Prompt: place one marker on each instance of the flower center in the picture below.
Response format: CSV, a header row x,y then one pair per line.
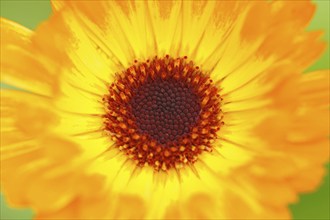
x,y
165,109
163,113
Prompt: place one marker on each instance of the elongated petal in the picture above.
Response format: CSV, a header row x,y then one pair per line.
x,y
20,66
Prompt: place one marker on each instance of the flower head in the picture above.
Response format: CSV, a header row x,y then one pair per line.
x,y
163,110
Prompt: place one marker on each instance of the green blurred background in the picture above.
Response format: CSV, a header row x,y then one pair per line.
x,y
311,206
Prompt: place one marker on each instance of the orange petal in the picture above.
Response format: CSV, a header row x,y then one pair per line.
x,y
201,206
16,177
26,113
59,149
235,207
136,209
173,212
256,22
51,193
315,88
57,4
300,13
286,37
197,206
20,66
276,193
308,179
86,64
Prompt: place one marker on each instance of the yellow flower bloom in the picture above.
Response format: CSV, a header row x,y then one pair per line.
x,y
163,110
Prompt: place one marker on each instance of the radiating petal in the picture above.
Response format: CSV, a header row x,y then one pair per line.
x,y
20,65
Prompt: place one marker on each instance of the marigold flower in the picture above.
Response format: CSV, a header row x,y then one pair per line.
x,y
163,110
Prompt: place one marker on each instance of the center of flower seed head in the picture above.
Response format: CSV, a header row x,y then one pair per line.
x,y
163,113
165,109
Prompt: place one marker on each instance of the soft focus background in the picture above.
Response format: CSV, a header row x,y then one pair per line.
x,y
311,206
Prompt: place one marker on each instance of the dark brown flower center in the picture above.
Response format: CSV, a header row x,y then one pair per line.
x,y
165,109
163,113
